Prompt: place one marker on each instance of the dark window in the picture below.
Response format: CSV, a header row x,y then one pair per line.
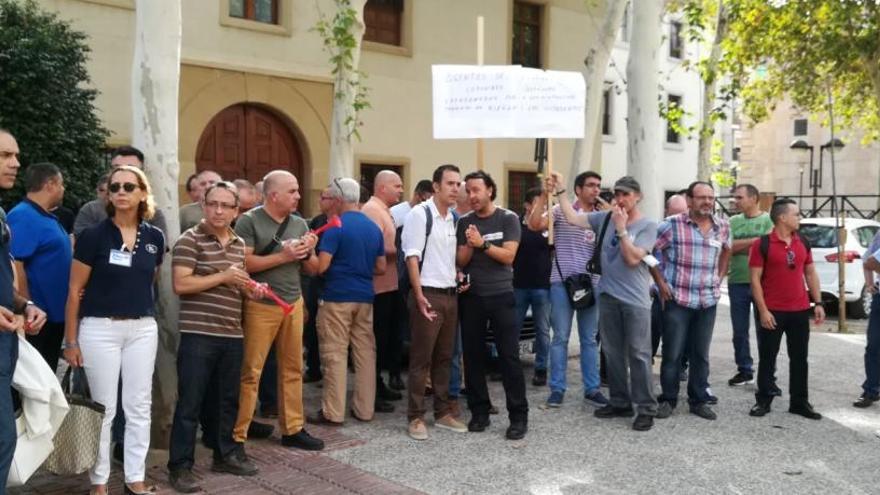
x,y
800,127
369,171
255,10
384,21
517,185
672,135
526,35
735,153
607,108
676,42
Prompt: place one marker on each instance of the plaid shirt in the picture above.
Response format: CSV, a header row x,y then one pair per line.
x,y
690,259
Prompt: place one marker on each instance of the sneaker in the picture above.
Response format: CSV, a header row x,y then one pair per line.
x,y
805,410
643,422
478,423
236,463
741,379
596,399
866,401
260,430
704,411
302,440
610,411
517,430
454,407
710,397
759,409
540,378
450,423
417,430
555,399
665,409
183,481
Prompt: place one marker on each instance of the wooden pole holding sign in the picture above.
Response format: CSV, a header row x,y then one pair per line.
x,y
480,54
550,197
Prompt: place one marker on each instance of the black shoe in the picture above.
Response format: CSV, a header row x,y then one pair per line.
x,y
740,379
269,411
302,440
517,430
236,463
704,411
540,378
478,423
260,430
183,481
759,409
395,382
430,391
495,376
385,393
310,377
805,410
382,406
775,391
492,409
665,409
119,453
610,411
319,419
643,422
865,401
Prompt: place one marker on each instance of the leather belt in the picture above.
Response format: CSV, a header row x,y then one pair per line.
x,y
449,291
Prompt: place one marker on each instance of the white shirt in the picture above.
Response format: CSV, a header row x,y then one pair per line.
x,y
399,213
438,266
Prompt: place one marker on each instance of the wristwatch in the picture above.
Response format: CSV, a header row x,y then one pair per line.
x,y
26,304
622,234
485,246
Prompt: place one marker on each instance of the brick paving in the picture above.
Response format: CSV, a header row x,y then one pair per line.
x,y
282,471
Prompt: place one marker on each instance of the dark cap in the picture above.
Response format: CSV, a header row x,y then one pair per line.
x,y
627,184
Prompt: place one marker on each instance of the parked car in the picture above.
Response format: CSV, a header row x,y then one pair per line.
x,y
821,234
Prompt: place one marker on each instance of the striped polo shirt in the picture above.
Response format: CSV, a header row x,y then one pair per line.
x,y
216,311
574,247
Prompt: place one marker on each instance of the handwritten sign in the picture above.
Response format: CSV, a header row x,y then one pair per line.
x,y
507,101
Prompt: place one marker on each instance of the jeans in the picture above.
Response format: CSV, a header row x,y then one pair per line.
x,y
686,331
796,327
499,311
561,314
8,434
626,342
201,360
455,368
127,347
741,313
539,300
872,351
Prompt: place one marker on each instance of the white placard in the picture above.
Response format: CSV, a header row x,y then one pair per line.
x,y
507,101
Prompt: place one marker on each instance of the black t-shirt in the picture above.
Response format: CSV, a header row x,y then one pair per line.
x,y
7,295
113,289
488,277
531,267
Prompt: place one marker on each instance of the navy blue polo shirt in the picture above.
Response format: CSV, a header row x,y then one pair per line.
x,y
7,299
114,290
40,242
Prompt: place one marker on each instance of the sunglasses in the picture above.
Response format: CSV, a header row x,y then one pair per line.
x,y
789,257
129,187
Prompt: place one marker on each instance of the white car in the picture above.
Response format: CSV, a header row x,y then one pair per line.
x,y
823,241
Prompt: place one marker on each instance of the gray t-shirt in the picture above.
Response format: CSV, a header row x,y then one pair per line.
x,y
95,212
257,229
489,277
629,285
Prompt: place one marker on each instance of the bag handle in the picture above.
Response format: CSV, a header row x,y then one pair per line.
x,y
67,387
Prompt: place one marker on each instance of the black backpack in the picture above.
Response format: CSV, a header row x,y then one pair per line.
x,y
765,246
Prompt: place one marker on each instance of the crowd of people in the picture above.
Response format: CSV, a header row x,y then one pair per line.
x,y
270,301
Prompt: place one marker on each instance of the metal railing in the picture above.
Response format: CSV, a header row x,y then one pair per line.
x,y
853,205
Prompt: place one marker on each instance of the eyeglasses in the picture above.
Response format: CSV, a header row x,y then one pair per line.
x,y
129,187
336,183
213,205
789,257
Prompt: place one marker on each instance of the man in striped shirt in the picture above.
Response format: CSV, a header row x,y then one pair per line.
x,y
694,249
209,276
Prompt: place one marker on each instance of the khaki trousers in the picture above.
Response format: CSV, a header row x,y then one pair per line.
x,y
341,324
265,324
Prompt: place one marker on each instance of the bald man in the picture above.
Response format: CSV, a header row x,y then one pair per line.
x,y
676,204
388,304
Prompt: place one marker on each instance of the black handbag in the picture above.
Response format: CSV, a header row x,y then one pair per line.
x,y
579,288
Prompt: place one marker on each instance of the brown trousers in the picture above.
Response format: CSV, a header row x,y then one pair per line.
x,y
341,324
265,324
430,353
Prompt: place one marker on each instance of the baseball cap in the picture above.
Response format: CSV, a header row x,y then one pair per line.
x,y
627,184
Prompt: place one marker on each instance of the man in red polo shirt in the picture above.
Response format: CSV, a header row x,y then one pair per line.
x,y
777,271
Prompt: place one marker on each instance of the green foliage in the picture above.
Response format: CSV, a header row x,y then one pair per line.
x,y
45,100
341,44
675,115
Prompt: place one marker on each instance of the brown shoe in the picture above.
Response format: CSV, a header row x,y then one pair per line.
x,y
450,423
454,408
319,419
418,430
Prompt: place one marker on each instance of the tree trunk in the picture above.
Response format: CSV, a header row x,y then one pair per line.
x,y
344,117
599,49
710,84
644,125
155,83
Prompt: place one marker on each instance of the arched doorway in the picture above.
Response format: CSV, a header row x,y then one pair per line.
x,y
246,142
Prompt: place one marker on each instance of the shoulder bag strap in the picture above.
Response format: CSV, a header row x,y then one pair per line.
x,y
275,238
596,260
429,224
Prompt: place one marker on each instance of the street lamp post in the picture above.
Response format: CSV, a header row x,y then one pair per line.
x,y
800,186
815,178
833,145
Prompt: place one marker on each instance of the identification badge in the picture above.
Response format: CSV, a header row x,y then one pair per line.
x,y
120,258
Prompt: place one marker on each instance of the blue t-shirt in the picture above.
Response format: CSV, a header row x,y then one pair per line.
x,y
7,295
355,247
40,242
114,290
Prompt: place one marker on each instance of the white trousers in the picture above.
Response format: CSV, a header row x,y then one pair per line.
x,y
108,347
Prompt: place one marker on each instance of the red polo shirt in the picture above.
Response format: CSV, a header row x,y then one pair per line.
x,y
784,286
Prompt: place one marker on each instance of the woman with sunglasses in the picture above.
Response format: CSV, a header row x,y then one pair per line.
x,y
110,329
